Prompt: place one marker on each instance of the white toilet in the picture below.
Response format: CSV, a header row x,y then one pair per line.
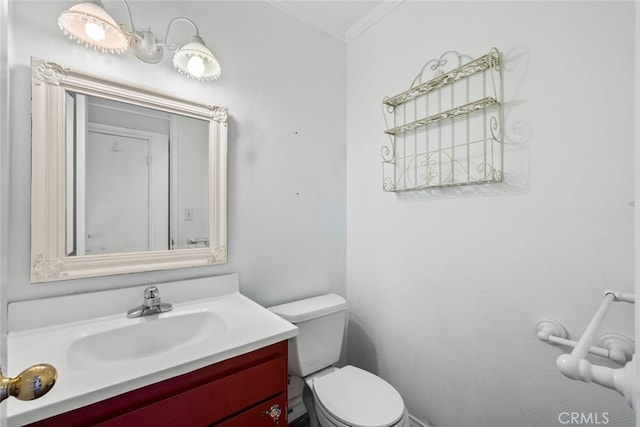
x,y
342,397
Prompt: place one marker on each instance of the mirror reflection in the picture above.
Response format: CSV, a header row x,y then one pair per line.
x,y
137,180
124,179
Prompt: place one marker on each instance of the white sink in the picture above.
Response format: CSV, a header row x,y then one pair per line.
x,y
144,337
99,352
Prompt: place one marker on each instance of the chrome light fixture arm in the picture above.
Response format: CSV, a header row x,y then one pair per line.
x,y
123,27
173,47
144,44
148,48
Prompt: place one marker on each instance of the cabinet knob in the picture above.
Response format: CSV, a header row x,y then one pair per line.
x,y
30,384
274,412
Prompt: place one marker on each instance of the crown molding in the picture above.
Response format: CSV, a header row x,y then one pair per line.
x,y
352,32
307,19
370,19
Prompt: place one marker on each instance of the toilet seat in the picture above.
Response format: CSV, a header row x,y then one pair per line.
x,y
358,398
322,413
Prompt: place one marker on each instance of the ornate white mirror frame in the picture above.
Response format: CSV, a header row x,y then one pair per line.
x,y
49,260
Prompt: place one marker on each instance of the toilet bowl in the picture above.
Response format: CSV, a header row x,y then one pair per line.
x,y
342,397
353,397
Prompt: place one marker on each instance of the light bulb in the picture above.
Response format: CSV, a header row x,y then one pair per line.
x,y
195,66
94,31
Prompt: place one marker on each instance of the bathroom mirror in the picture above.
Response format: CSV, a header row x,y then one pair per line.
x,y
124,179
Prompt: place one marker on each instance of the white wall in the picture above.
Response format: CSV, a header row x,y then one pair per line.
x,y
191,163
284,85
4,181
445,291
637,192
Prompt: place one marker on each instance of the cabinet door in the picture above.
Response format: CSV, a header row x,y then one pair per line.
x,y
213,401
269,414
198,398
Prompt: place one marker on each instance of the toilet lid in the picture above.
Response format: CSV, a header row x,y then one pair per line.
x,y
359,398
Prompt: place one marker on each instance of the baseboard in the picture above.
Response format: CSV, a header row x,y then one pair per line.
x,y
296,408
414,422
296,405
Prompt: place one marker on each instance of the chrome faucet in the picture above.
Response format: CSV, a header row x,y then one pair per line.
x,y
151,304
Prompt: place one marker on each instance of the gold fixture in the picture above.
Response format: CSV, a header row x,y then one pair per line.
x,y
30,384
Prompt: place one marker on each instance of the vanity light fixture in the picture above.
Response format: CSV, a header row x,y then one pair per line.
x,y
89,23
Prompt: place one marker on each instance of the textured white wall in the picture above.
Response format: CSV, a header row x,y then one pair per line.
x,y
192,159
4,182
284,85
637,192
445,291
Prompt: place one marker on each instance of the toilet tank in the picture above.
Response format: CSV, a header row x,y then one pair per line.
x,y
321,323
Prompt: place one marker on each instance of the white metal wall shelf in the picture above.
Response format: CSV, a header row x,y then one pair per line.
x,y
448,130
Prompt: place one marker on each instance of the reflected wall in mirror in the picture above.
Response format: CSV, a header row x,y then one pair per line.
x,y
138,178
124,179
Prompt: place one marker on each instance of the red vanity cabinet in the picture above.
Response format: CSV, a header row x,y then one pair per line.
x,y
245,391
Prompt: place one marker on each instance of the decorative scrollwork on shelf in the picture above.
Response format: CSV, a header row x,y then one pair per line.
x,y
440,169
446,137
388,184
485,171
387,153
495,128
386,105
435,65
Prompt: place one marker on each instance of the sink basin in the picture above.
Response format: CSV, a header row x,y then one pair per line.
x,y
144,337
100,353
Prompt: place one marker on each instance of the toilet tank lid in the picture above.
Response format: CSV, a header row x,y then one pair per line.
x,y
310,308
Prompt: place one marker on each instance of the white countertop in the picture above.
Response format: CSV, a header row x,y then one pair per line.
x,y
42,331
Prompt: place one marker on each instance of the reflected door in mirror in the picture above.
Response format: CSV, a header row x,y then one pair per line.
x,y
127,200
140,178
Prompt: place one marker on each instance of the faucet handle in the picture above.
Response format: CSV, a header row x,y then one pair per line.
x,y
151,292
151,297
152,304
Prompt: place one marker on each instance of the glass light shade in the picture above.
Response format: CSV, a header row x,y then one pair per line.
x,y
196,61
85,23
